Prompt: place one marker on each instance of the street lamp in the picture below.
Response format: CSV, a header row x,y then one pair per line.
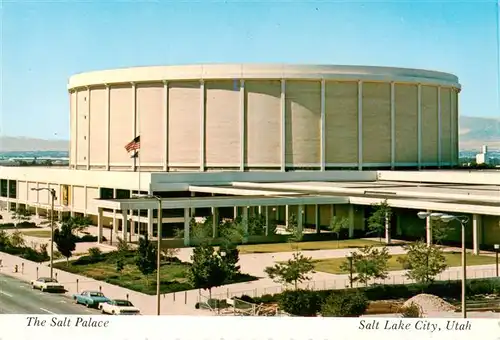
x,y
497,248
158,250
350,258
53,198
463,222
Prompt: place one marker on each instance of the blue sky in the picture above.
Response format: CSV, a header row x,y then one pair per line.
x,y
44,43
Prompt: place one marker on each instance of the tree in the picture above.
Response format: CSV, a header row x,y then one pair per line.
x,y
17,239
22,214
296,234
377,221
295,270
337,225
370,263
208,268
423,262
78,223
146,257
65,241
440,231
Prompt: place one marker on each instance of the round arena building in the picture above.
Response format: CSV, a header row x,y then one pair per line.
x,y
250,117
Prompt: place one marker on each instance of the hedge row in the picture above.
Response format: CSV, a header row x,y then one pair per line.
x,y
20,225
307,302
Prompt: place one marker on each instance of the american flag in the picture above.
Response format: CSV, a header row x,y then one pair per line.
x,y
134,145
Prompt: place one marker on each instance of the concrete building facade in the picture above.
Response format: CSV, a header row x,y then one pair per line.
x,y
264,117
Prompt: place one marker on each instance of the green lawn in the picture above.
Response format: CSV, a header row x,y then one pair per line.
x,y
37,233
332,266
173,275
316,245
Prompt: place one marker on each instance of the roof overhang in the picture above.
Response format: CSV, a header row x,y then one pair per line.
x,y
217,202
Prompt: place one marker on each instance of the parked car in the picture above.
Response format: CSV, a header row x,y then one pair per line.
x,y
119,307
47,284
90,298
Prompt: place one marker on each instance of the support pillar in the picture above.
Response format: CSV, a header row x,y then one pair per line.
x,y
351,221
245,224
260,210
150,223
99,225
387,230
428,230
124,225
193,210
235,212
287,216
115,222
267,220
59,215
215,221
317,219
300,218
477,233
187,227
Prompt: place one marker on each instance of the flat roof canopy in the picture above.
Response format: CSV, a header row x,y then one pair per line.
x,y
217,202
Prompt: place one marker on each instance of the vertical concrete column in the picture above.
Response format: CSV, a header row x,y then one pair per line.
x,y
283,124
99,225
287,215
8,195
439,146
150,223
202,126
351,221
235,212
477,233
187,227
317,220
108,126
87,135
360,125
165,125
419,125
59,215
259,209
193,210
428,230
387,230
124,225
215,221
245,224
242,125
115,222
267,220
393,127
323,126
300,217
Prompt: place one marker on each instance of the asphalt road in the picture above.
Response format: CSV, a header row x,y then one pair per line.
x,y
17,297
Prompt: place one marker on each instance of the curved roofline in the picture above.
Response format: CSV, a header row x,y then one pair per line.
x,y
261,71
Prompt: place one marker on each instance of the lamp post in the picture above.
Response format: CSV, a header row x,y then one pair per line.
x,y
53,198
463,222
158,250
497,248
350,258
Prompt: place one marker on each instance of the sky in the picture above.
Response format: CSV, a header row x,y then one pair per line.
x,y
43,43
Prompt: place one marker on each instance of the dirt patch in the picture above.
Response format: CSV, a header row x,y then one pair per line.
x,y
430,303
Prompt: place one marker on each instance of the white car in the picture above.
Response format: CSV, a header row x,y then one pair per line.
x,y
119,307
47,284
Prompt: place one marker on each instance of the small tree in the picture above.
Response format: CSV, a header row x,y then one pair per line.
x,y
337,226
22,215
296,234
377,221
17,239
440,231
295,270
146,257
65,241
370,263
79,223
424,262
208,269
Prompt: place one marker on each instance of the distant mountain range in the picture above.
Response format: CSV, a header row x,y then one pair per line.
x,y
474,132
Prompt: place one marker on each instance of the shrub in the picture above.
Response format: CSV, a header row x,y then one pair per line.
x,y
411,311
246,298
26,225
300,302
31,254
345,304
95,254
88,238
